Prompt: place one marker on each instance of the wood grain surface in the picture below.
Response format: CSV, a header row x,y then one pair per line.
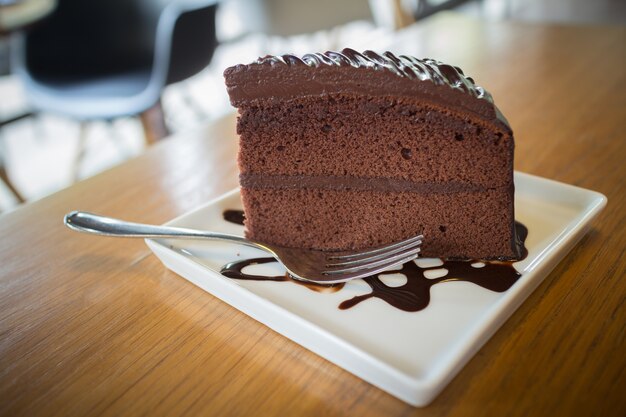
x,y
98,327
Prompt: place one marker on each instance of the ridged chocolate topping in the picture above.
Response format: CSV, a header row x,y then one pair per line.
x,y
351,72
401,66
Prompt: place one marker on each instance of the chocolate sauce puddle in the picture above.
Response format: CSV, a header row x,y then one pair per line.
x,y
235,270
414,295
234,216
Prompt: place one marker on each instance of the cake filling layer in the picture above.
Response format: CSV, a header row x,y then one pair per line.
x,y
329,182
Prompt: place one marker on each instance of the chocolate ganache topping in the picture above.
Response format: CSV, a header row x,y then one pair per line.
x,y
350,72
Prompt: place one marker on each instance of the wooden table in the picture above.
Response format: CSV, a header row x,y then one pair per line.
x,y
94,326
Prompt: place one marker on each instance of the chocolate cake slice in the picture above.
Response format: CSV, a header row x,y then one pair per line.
x,y
346,150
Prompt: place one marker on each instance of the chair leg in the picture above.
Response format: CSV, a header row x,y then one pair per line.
x,y
80,151
153,122
401,16
5,178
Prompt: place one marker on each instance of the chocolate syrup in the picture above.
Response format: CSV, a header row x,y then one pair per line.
x,y
521,233
235,270
234,216
414,295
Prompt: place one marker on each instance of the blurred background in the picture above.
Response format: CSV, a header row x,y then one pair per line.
x,y
86,85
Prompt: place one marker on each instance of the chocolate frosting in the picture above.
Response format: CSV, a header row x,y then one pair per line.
x,y
353,73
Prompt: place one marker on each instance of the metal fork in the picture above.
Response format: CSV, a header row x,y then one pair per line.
x,y
304,264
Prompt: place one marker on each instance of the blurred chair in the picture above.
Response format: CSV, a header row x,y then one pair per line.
x,y
397,14
288,18
425,8
105,59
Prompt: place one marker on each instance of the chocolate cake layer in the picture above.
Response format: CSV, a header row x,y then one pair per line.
x,y
380,137
453,224
349,150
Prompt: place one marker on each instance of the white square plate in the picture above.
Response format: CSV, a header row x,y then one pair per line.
x,y
411,355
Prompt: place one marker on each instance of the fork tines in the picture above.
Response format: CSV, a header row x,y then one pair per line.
x,y
375,260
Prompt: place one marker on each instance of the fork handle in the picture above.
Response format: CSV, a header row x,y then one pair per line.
x,y
106,226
